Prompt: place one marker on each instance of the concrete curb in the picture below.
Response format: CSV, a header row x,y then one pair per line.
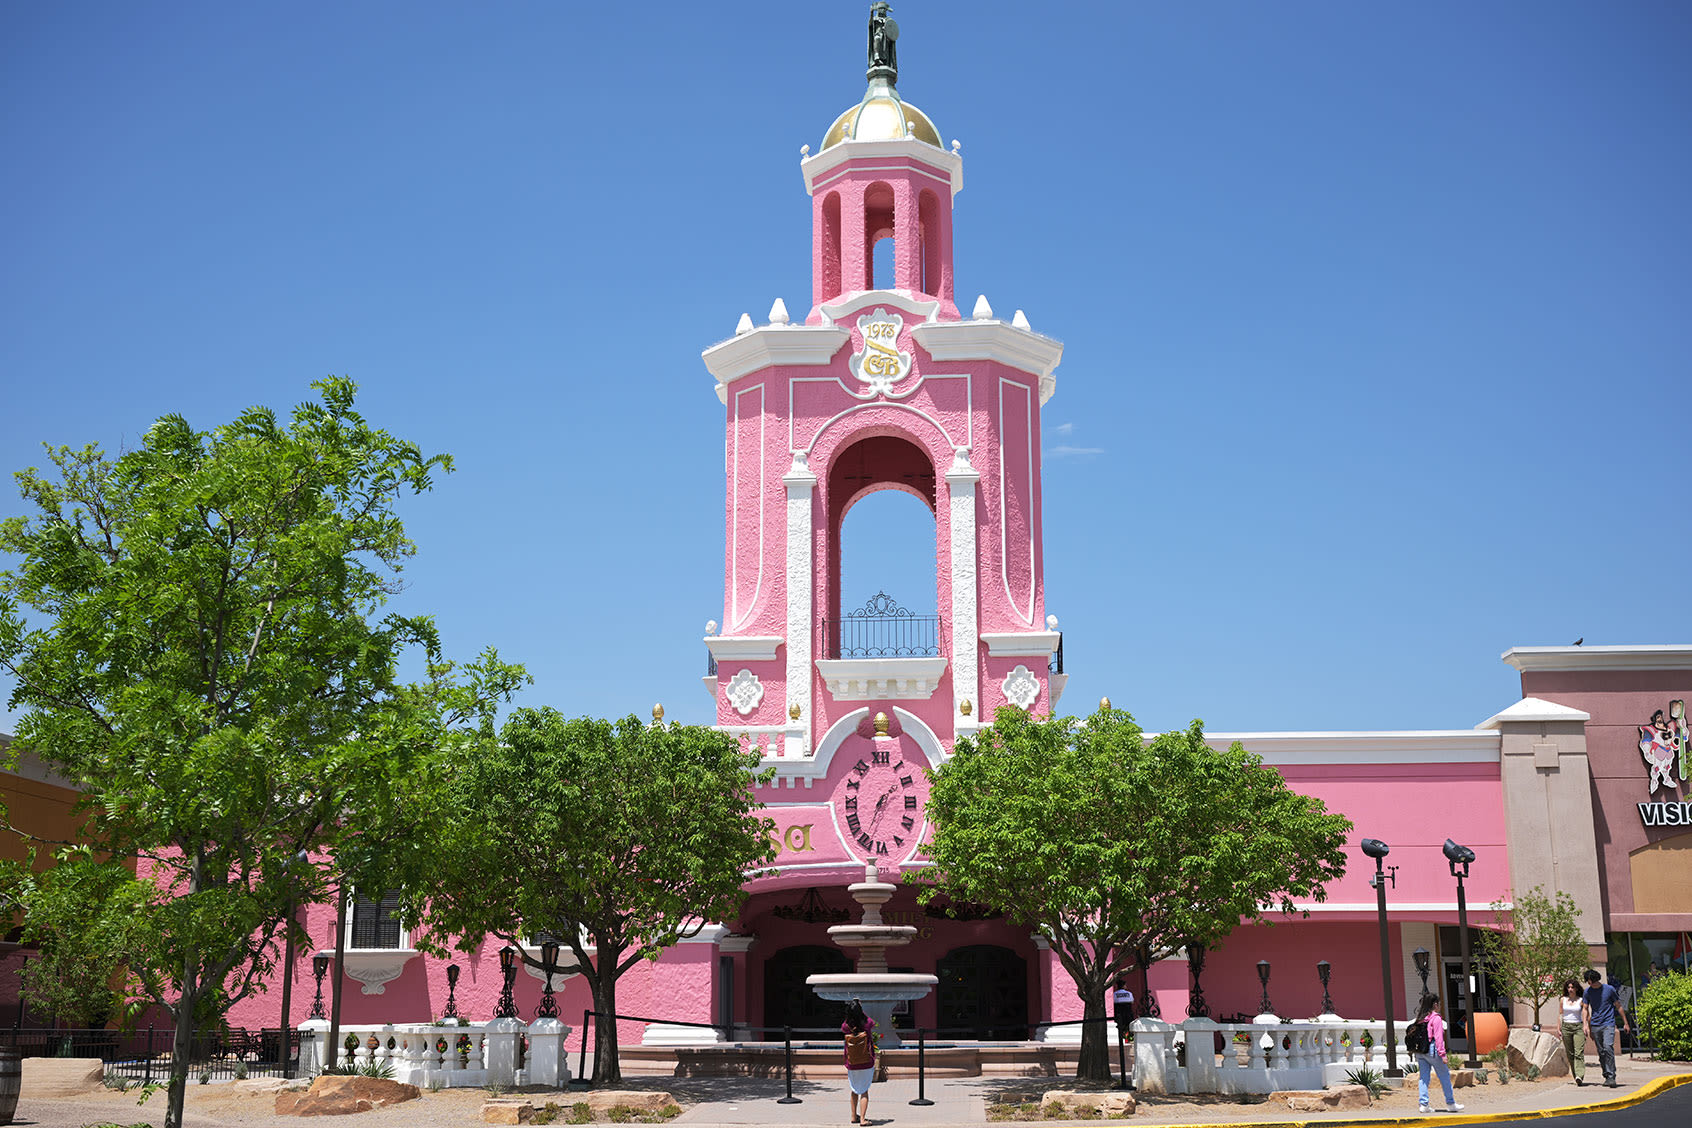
x,y
1644,1093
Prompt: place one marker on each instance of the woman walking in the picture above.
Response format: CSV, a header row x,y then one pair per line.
x,y
1577,1022
859,1029
1432,1058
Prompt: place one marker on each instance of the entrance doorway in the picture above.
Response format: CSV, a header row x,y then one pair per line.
x,y
789,1002
1456,1014
983,993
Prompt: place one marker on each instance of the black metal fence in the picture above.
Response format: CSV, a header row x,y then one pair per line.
x,y
1055,666
145,1055
883,629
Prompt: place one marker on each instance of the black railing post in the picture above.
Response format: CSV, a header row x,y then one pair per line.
x,y
147,1078
922,1068
1122,1058
581,1077
787,1057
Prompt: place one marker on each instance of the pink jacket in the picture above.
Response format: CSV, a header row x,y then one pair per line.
x,y
1436,1035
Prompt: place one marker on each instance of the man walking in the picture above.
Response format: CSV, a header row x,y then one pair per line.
x,y
1601,998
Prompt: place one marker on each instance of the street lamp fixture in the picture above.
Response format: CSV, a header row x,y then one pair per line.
x,y
319,968
1420,955
1196,1006
452,992
1323,969
1266,1007
1460,857
1378,850
508,967
549,960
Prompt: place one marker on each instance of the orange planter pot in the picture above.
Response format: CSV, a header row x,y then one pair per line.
x,y
1488,1030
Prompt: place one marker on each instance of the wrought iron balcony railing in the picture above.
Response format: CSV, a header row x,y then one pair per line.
x,y
883,629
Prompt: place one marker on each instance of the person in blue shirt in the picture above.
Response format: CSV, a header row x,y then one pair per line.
x,y
1601,1000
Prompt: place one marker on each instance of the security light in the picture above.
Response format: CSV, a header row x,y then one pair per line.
x,y
1375,848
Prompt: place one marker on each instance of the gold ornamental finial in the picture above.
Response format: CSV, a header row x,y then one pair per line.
x,y
794,711
658,714
965,707
1104,703
881,724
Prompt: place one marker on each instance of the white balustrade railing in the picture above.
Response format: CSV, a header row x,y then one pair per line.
x,y
430,1056
1252,1057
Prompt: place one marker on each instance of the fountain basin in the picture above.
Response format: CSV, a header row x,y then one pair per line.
x,y
877,992
864,935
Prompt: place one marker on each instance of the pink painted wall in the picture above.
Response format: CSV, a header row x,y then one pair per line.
x,y
843,238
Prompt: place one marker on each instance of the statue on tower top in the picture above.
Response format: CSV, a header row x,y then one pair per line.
x,y
883,40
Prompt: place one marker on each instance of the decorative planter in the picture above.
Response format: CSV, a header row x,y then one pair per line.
x,y
1488,1030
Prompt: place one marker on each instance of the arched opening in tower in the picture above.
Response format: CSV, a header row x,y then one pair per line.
x,y
884,574
878,230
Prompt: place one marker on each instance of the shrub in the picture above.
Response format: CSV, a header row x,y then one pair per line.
x,y
580,1113
1665,1010
240,1071
1370,1078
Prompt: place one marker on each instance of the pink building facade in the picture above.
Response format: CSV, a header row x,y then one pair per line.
x,y
886,385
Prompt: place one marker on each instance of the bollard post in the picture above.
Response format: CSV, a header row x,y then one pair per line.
x,y
787,1056
1122,1059
922,1068
581,1078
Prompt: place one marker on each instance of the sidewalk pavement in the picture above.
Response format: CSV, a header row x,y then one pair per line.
x,y
726,1102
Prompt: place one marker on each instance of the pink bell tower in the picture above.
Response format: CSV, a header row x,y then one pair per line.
x,y
884,386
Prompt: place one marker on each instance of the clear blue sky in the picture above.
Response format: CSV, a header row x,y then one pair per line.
x,y
1378,318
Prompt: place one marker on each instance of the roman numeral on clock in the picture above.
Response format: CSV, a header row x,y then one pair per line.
x,y
881,756
850,803
865,840
907,822
853,822
910,804
860,767
881,847
905,779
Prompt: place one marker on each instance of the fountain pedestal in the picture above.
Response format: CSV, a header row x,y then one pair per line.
x,y
878,989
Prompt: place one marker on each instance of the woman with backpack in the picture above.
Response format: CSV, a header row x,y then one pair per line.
x,y
859,1029
1426,1039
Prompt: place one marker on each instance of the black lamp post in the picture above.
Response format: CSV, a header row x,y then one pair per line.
x,y
452,992
1148,1001
1323,969
1420,955
1196,1007
507,967
549,960
1461,856
1266,1007
1378,850
319,968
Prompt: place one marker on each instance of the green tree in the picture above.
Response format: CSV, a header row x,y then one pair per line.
x,y
1109,844
1535,948
617,838
193,632
1665,1014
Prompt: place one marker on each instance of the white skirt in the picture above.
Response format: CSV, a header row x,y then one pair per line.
x,y
860,1079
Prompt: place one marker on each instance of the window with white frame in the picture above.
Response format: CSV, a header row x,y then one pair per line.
x,y
374,923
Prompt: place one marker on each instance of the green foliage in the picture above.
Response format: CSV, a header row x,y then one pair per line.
x,y
620,837
196,635
1370,1078
1535,948
1108,843
1665,1011
373,1068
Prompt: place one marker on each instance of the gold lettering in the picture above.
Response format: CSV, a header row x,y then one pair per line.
x,y
803,834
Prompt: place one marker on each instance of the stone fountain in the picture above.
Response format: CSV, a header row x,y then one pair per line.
x,y
872,984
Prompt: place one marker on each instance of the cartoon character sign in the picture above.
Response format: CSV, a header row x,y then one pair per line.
x,y
1663,743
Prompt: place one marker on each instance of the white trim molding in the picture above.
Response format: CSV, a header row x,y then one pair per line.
x,y
743,648
906,153
1670,656
881,679
1438,746
374,968
961,478
1021,644
1534,710
772,345
801,483
997,341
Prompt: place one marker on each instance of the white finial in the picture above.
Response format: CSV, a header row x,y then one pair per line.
x,y
744,325
710,626
1051,622
960,459
957,147
1020,321
982,311
804,151
778,313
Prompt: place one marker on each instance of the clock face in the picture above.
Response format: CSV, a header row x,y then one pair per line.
x,y
881,800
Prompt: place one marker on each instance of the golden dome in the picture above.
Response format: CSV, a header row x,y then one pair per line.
x,y
881,116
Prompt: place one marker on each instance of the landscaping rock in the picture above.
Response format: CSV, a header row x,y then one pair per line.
x,y
1321,1100
338,1096
1460,1079
507,1112
61,1077
1110,1105
1535,1047
602,1099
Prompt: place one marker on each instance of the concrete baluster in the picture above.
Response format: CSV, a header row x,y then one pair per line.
x,y
549,1062
503,1035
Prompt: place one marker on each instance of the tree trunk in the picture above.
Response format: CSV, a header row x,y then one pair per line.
x,y
181,1050
606,1065
1094,1064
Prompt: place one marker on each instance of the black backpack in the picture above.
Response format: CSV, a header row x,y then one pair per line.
x,y
1416,1037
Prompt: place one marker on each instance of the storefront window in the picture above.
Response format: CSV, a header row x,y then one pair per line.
x,y
1637,958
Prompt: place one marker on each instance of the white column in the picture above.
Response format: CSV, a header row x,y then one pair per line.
x,y
502,1050
314,1034
966,626
800,483
549,1062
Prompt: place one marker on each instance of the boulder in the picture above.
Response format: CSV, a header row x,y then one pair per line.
x,y
640,1099
61,1077
1460,1079
1111,1105
1535,1047
1322,1100
338,1095
507,1112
